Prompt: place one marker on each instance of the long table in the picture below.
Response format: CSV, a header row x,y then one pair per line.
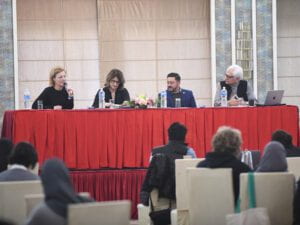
x,y
123,138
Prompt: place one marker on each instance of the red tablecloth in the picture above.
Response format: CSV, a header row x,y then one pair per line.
x,y
107,185
92,139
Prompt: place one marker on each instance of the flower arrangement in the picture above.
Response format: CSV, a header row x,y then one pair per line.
x,y
141,102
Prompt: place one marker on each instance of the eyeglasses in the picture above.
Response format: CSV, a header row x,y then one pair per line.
x,y
115,81
229,77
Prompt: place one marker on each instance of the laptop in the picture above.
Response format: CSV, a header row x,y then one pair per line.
x,y
274,97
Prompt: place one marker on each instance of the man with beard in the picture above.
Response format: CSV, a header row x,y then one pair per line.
x,y
175,92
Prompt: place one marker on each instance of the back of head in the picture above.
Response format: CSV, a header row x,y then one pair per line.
x,y
228,140
283,137
274,158
58,187
24,154
177,132
5,150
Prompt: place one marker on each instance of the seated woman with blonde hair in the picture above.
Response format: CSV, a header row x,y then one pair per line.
x,y
57,95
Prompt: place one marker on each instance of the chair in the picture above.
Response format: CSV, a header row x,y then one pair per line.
x,y
32,200
143,214
294,166
275,192
180,214
210,195
108,213
12,204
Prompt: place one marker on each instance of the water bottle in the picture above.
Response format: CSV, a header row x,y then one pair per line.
x,y
163,99
223,94
26,99
101,99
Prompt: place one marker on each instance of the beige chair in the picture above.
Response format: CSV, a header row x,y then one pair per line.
x,y
180,214
12,201
143,214
294,166
32,200
275,192
210,195
108,213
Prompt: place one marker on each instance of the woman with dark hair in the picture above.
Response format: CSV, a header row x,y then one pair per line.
x,y
59,193
5,150
114,89
57,95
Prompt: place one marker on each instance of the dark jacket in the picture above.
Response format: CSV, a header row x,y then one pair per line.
x,y
161,171
121,96
17,175
241,89
226,160
297,205
292,152
186,96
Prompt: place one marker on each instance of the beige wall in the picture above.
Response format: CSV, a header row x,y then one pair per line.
x,y
58,32
147,39
288,29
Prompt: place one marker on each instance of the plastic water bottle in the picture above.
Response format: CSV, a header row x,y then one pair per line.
x,y
26,99
223,94
163,99
101,99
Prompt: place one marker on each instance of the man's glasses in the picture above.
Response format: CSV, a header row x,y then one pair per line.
x,y
229,77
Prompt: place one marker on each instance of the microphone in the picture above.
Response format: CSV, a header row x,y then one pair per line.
x,y
66,87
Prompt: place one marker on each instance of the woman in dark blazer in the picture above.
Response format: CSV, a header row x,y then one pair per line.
x,y
114,89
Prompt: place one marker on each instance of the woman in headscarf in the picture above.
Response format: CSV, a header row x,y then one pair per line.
x,y
59,193
274,158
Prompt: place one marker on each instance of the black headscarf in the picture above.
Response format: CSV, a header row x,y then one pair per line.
x,y
58,189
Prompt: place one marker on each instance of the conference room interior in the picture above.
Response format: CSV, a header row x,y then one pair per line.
x,y
107,150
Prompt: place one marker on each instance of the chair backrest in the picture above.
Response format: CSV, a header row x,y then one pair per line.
x,y
32,200
95,213
294,166
181,179
273,191
210,195
12,201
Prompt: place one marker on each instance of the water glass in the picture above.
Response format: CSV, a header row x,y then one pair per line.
x,y
177,102
40,104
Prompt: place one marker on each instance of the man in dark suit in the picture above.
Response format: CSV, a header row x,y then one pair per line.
x,y
23,159
175,92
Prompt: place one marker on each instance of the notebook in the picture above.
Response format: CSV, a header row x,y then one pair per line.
x,y
273,97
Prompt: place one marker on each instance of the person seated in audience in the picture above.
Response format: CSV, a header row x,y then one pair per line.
x,y
5,150
23,159
114,89
174,91
161,171
274,158
287,141
59,193
236,87
57,95
226,145
296,203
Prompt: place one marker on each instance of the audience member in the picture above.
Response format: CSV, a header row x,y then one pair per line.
x,y
287,141
161,171
235,86
274,158
59,193
5,150
57,95
114,89
226,145
22,159
174,91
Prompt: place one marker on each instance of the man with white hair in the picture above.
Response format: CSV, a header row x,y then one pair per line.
x,y
236,87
